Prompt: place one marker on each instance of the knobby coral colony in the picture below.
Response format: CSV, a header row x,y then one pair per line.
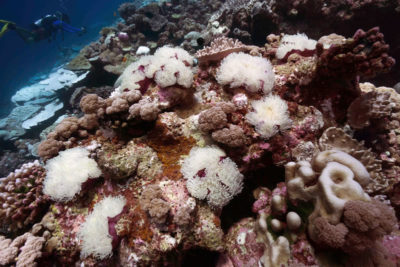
x,y
169,163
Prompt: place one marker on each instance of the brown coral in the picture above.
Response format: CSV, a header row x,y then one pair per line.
x,y
329,235
372,105
118,104
89,122
67,127
233,136
91,103
363,223
49,148
23,250
152,202
374,217
149,111
131,96
212,119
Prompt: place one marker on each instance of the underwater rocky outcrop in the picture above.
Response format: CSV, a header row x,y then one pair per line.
x,y
236,155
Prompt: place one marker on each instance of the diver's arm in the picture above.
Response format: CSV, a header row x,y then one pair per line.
x,y
66,27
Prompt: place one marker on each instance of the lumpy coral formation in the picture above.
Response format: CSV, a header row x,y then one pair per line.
x,y
275,154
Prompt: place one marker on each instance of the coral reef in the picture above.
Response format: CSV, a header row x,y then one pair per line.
x,y
263,148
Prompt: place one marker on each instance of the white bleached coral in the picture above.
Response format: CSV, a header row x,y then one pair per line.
x,y
270,116
67,172
94,232
211,175
254,73
336,178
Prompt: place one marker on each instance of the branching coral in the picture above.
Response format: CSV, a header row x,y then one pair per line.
x,y
167,190
22,251
21,197
365,54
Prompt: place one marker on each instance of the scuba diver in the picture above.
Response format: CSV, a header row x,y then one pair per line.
x,y
45,28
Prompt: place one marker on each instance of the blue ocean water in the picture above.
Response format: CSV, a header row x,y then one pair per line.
x,y
20,62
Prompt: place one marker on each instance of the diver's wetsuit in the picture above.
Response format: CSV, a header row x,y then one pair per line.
x,y
44,28
48,26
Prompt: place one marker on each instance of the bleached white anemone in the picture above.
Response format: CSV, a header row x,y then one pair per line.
x,y
270,116
211,175
67,172
298,42
94,232
254,73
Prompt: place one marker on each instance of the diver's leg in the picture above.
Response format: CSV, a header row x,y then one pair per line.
x,y
26,35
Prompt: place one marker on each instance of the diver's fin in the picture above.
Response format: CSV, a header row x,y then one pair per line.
x,y
4,29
